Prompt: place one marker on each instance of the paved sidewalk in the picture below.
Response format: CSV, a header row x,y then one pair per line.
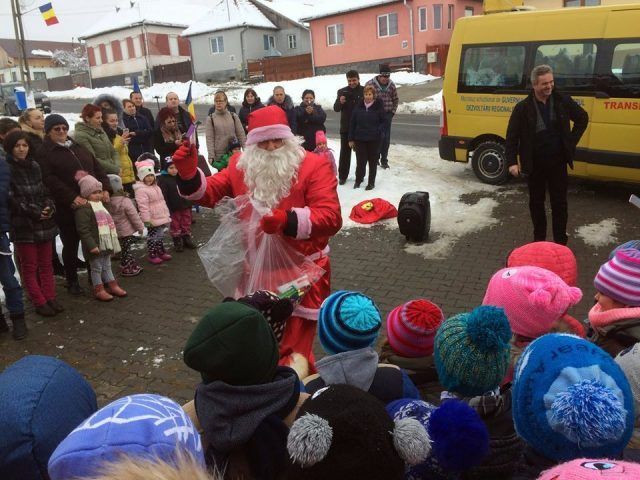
x,y
135,344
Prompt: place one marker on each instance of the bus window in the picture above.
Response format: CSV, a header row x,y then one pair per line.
x,y
572,63
625,71
495,66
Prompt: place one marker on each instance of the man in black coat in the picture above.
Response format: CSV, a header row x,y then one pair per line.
x,y
540,133
346,100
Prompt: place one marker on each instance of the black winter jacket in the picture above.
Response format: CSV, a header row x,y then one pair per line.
x,y
5,179
366,124
289,109
59,166
146,113
521,131
28,197
246,109
141,141
169,187
353,97
309,124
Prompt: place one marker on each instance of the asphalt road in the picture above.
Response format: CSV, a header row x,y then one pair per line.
x,y
407,129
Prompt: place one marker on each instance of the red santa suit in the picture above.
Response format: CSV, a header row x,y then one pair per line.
x,y
314,200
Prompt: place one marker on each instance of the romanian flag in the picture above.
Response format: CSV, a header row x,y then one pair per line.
x,y
48,14
191,108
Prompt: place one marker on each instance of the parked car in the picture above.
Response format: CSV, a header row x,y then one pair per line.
x,y
8,100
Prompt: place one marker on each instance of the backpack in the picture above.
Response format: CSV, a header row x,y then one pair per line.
x,y
414,216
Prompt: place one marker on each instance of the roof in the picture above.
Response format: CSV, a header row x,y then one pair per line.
x,y
330,9
10,46
227,14
294,10
166,13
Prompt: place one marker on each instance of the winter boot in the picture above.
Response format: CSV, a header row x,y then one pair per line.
x,y
114,289
154,259
131,270
45,310
19,326
3,323
75,289
101,294
177,244
163,253
55,305
188,242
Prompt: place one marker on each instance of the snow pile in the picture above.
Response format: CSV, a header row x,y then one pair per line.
x,y
228,15
428,105
599,234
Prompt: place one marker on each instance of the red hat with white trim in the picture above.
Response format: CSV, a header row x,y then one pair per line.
x,y
268,123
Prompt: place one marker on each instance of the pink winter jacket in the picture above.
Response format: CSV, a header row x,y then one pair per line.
x,y
124,215
151,204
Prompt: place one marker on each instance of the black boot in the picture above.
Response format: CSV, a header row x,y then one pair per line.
x,y
3,323
177,244
74,288
188,242
19,326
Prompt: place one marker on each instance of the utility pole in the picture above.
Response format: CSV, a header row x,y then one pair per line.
x,y
25,74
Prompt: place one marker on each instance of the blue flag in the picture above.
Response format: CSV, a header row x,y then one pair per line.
x,y
136,87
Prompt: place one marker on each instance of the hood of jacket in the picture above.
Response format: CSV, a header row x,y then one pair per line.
x,y
288,103
117,104
356,367
229,414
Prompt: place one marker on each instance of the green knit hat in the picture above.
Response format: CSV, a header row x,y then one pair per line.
x,y
471,351
233,343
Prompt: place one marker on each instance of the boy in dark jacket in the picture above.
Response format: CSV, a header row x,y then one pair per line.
x,y
348,326
346,100
471,354
179,207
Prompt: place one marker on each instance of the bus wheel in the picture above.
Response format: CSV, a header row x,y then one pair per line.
x,y
490,163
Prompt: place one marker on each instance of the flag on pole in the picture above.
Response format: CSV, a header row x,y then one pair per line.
x,y
136,86
191,108
48,14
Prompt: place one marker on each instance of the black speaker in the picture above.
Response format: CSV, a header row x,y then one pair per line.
x,y
414,216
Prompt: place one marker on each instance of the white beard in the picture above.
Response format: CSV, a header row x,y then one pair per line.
x,y
269,175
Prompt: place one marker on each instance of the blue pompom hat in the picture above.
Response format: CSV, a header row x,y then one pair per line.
x,y
145,425
348,321
571,400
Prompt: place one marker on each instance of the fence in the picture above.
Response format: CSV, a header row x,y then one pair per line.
x,y
66,82
173,72
280,68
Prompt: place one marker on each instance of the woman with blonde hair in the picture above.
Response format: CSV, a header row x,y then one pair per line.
x,y
221,127
32,122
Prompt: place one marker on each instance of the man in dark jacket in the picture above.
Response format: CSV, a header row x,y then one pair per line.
x,y
138,101
540,133
346,100
282,100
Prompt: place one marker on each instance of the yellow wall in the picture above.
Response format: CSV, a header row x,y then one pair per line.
x,y
551,4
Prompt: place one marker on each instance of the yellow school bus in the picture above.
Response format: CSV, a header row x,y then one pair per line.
x,y
595,56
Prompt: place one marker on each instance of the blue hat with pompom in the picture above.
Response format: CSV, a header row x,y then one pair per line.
x,y
348,321
571,400
471,351
459,438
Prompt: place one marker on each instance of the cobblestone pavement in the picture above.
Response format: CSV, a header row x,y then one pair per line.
x,y
134,345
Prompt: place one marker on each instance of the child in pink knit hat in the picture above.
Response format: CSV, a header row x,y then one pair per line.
x,y
324,151
535,301
586,469
411,330
615,318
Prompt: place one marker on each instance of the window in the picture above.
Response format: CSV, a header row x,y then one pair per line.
x,y
335,34
96,51
468,11
422,19
269,42
109,51
494,66
39,75
292,41
624,81
137,47
174,51
14,76
572,63
437,17
450,17
387,25
217,44
581,3
124,49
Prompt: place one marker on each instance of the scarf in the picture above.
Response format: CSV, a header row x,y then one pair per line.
x,y
28,129
367,105
540,125
169,137
108,237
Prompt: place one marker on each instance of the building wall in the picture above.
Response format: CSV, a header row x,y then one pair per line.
x,y
122,53
360,29
50,72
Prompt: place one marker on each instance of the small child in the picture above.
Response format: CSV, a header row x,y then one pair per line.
x,y
615,318
127,222
179,207
99,238
629,362
471,354
153,211
223,161
324,151
411,329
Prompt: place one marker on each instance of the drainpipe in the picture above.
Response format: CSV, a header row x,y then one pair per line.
x,y
413,50
313,62
244,70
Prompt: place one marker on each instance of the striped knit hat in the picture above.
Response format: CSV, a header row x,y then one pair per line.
x,y
348,321
411,328
635,244
472,351
619,278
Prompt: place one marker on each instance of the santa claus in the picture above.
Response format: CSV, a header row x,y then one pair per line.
x,y
300,189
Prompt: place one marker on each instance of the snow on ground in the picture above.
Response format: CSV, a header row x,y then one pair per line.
x,y
324,86
599,234
428,105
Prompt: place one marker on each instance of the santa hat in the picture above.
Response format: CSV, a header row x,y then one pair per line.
x,y
321,137
87,183
268,123
144,168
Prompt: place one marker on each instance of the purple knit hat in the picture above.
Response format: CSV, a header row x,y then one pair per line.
x,y
619,278
411,328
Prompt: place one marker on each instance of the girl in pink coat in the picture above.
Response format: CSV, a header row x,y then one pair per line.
x,y
153,211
